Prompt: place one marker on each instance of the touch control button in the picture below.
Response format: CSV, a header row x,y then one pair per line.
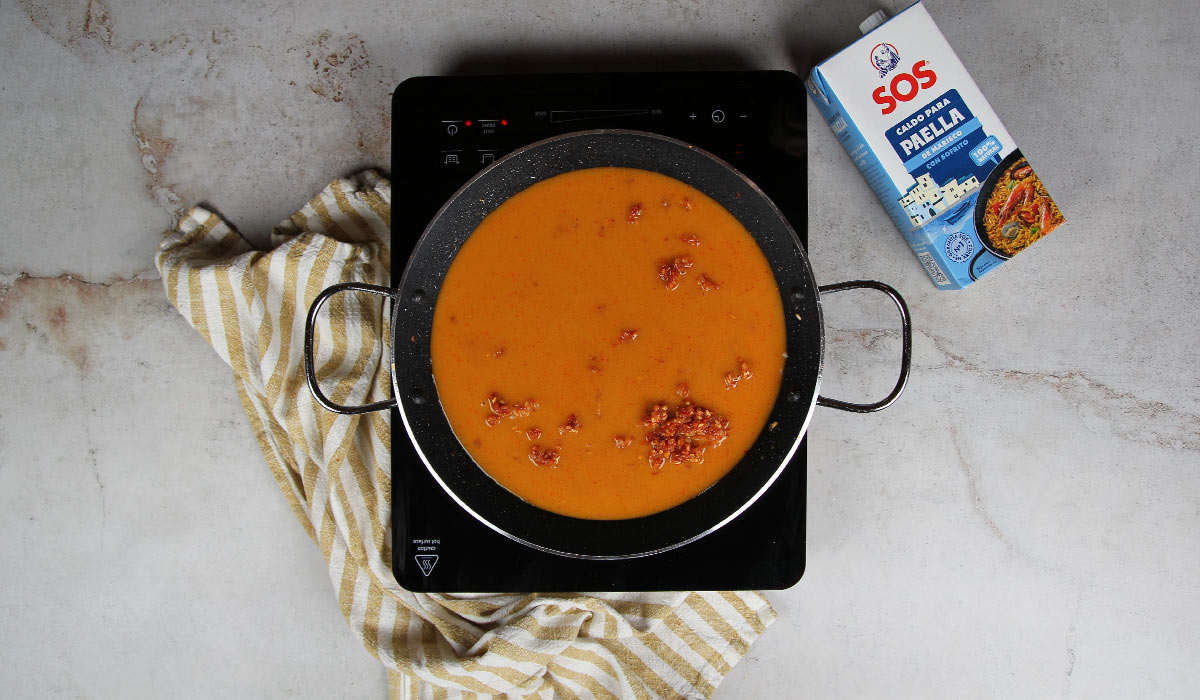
x,y
718,116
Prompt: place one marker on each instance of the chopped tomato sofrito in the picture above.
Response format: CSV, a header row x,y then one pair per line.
x,y
543,456
671,270
571,426
685,436
742,372
707,284
561,279
500,409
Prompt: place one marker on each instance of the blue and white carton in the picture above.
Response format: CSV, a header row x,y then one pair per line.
x,y
923,135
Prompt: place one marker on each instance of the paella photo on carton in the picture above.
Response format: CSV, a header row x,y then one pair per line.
x,y
1018,210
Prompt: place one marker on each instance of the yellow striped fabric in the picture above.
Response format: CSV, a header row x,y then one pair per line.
x,y
334,471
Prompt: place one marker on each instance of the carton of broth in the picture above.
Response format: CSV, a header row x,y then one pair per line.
x,y
927,141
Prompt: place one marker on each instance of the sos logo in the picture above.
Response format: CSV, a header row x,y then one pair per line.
x,y
885,58
904,86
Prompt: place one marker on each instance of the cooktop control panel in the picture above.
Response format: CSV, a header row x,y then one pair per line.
x,y
446,129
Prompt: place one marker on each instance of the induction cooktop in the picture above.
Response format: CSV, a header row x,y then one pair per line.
x,y
446,129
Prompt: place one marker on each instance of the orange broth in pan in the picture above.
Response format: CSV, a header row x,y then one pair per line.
x,y
583,303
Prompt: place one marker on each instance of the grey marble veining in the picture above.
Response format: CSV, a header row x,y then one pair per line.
x,y
1020,524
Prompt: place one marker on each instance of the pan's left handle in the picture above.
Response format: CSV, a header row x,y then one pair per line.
x,y
905,351
310,371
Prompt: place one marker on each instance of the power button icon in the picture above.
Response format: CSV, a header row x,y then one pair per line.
x,y
718,116
452,129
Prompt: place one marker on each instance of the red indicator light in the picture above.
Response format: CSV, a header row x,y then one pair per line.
x,y
468,122
503,122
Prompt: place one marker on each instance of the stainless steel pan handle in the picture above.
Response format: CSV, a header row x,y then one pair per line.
x,y
310,371
905,352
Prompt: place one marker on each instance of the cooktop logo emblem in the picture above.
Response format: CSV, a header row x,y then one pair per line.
x,y
426,562
885,58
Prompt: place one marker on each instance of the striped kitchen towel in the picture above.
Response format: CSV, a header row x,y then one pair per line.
x,y
250,305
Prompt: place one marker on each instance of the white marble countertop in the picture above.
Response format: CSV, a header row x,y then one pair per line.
x,y
1021,524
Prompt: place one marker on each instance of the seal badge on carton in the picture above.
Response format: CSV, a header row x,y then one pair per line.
x,y
932,148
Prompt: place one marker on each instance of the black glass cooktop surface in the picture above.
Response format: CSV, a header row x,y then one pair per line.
x,y
446,129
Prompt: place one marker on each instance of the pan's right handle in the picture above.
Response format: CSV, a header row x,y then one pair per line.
x,y
310,371
905,351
